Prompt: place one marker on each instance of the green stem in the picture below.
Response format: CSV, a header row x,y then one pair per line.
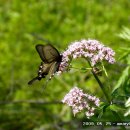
x,y
102,88
107,96
101,85
108,99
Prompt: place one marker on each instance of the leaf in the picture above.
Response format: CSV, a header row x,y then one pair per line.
x,y
127,112
105,71
102,109
115,108
123,79
125,34
124,55
127,104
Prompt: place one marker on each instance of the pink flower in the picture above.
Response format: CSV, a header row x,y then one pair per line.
x,y
92,50
80,101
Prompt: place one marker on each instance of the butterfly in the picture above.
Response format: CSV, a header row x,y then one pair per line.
x,y
51,59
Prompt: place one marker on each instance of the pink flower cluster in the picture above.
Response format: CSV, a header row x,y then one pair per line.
x,y
92,50
80,101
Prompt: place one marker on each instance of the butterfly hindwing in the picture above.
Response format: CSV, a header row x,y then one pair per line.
x,y
53,69
31,81
48,53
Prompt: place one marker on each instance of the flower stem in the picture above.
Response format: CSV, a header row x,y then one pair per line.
x,y
101,85
107,97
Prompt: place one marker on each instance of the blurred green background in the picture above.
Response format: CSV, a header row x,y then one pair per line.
x,y
22,23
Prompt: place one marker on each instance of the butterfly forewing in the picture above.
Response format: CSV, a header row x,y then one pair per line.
x,y
48,53
39,49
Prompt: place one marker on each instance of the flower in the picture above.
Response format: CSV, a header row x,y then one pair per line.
x,y
92,50
80,101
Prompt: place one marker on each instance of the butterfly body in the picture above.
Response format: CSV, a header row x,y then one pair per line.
x,y
51,60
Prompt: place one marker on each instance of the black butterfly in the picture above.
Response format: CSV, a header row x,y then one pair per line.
x,y
51,60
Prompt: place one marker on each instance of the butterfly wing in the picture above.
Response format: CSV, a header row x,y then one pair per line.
x,y
31,81
53,69
51,58
41,73
48,53
47,69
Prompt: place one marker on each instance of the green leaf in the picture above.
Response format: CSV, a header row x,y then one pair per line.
x,y
125,34
127,112
124,55
123,79
115,108
105,71
102,109
127,104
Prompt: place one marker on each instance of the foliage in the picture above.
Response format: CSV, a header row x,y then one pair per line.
x,y
22,24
